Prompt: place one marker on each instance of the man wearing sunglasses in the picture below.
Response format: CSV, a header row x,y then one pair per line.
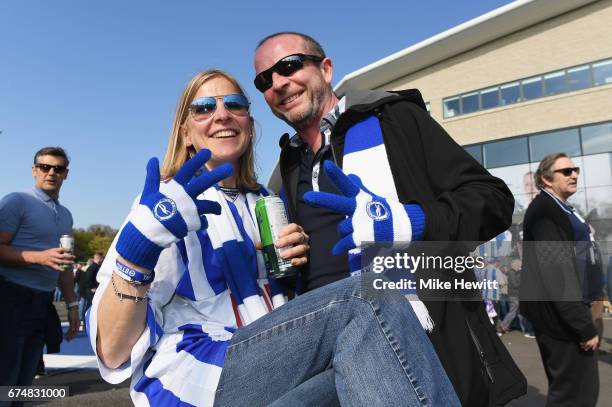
x,y
407,166
31,224
562,276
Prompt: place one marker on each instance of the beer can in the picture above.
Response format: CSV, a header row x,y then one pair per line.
x,y
271,218
67,242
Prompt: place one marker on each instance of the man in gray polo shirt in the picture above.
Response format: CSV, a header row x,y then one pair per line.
x,y
31,224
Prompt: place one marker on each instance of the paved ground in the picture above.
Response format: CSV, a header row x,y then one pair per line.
x,y
88,389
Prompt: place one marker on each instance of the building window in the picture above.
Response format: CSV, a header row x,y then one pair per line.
x,y
554,83
579,78
532,88
451,107
489,97
596,138
469,103
506,152
602,72
475,151
598,170
562,141
510,93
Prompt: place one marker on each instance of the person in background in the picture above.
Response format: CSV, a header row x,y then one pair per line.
x,y
31,261
554,283
84,294
92,275
513,277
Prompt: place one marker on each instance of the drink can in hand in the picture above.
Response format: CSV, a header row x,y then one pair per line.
x,y
67,242
271,218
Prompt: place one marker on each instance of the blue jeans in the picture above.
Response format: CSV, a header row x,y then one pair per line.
x,y
513,310
364,345
23,313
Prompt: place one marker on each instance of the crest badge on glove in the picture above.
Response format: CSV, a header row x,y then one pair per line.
x,y
164,209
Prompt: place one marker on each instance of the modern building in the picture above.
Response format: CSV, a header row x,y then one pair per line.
x,y
513,85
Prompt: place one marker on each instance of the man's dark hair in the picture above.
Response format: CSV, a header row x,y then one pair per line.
x,y
545,168
312,46
54,151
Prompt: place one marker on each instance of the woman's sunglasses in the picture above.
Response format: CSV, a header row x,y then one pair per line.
x,y
568,171
285,67
59,169
205,107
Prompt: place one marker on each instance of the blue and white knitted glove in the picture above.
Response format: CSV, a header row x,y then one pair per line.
x,y
168,211
371,218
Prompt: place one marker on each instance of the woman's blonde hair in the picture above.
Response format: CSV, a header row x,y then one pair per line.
x,y
178,153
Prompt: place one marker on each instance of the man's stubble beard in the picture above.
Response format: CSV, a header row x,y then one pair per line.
x,y
304,119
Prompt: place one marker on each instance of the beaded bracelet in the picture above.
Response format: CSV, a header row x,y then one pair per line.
x,y
123,296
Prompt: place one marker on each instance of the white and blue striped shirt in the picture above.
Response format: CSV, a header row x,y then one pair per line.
x,y
191,317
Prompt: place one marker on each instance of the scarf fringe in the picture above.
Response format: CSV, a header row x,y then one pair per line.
x,y
421,312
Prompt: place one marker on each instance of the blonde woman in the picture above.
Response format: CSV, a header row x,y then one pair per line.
x,y
182,306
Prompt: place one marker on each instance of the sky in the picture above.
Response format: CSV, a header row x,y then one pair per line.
x,y
102,78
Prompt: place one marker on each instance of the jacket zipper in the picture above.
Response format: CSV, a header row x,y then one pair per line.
x,y
481,354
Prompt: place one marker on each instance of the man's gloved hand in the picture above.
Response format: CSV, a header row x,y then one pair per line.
x,y
371,218
167,212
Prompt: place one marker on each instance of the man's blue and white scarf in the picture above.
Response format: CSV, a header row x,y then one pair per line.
x,y
364,143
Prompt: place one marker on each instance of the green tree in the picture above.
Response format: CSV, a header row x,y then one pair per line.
x,y
96,238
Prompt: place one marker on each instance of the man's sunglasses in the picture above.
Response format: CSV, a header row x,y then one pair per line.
x,y
205,107
568,171
59,169
285,67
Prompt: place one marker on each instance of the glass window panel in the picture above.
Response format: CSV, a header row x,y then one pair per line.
x,y
599,215
597,169
532,88
489,97
451,107
602,72
579,78
510,93
566,141
513,177
555,83
506,152
475,151
597,138
469,102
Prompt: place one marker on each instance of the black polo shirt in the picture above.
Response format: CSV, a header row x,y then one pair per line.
x,y
320,224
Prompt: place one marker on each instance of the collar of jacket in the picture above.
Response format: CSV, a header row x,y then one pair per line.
x,y
359,105
545,206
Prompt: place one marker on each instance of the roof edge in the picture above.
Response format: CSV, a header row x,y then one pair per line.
x,y
495,24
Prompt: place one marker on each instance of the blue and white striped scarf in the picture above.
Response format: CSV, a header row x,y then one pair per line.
x,y
364,143
237,257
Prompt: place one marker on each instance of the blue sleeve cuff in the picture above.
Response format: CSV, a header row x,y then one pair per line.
x,y
136,248
417,219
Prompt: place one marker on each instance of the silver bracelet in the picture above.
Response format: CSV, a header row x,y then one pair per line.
x,y
123,296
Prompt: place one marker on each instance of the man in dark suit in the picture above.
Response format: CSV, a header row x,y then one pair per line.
x,y
555,285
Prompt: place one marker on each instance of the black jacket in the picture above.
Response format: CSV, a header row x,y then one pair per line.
x,y
462,202
549,273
